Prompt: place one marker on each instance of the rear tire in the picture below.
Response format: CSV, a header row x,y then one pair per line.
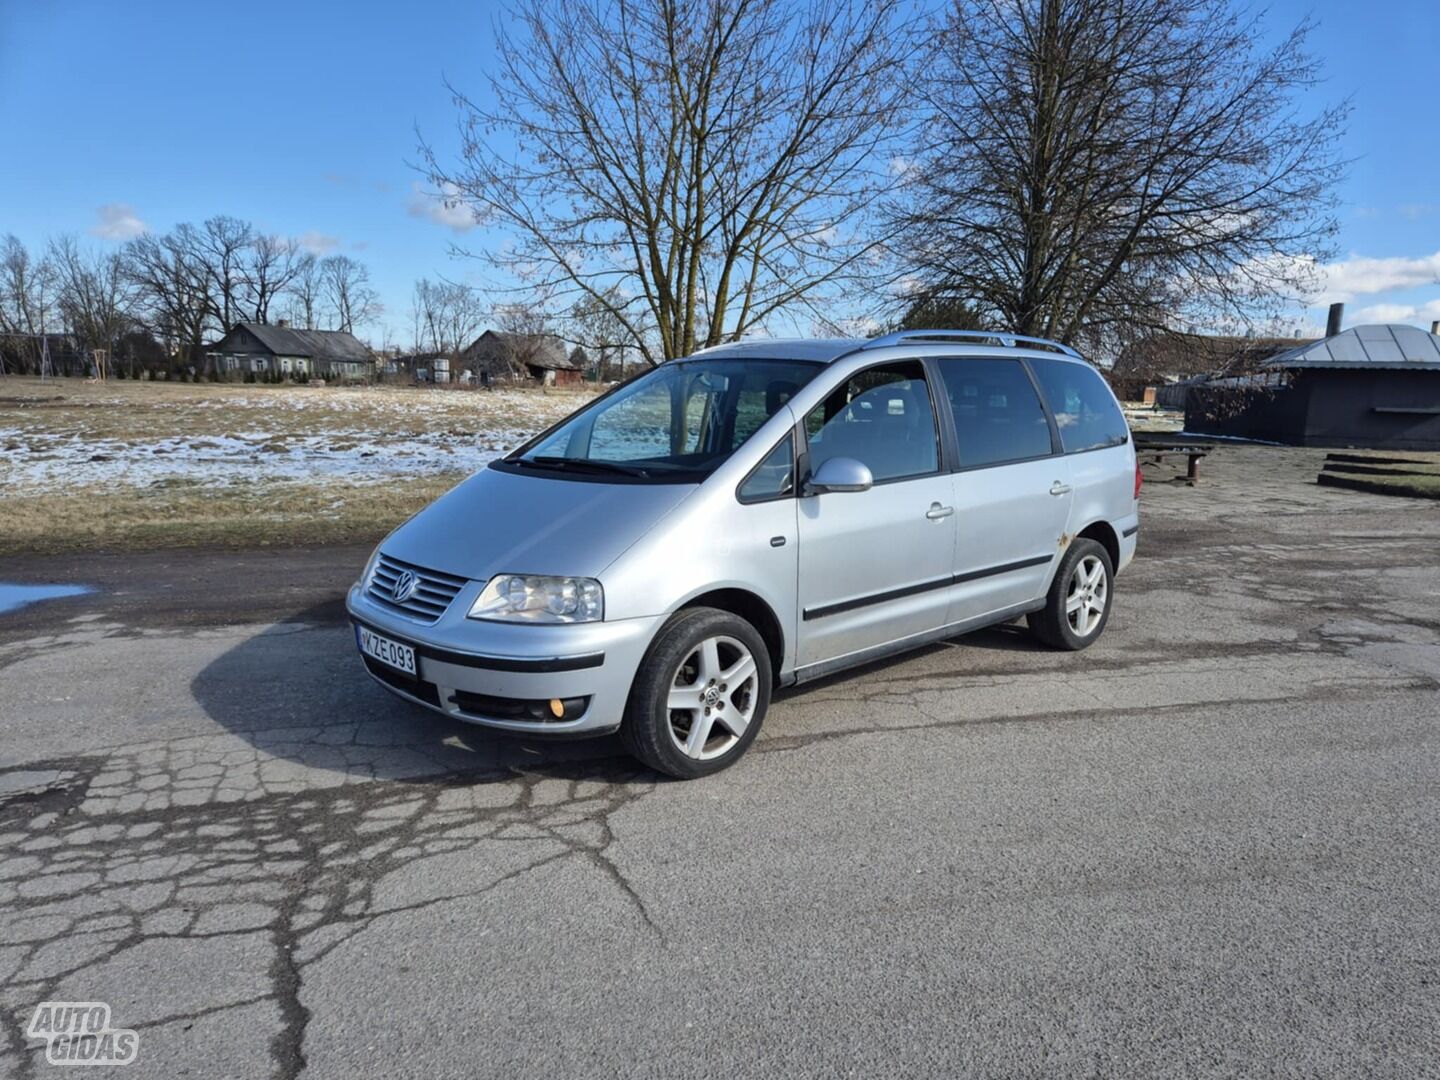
x,y
1078,604
700,694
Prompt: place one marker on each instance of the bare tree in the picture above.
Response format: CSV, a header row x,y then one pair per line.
x,y
268,267
173,284
939,312
347,292
694,166
224,242
27,302
447,316
1093,169
596,329
94,294
305,295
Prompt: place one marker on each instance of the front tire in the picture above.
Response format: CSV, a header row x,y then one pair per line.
x,y
700,694
1078,604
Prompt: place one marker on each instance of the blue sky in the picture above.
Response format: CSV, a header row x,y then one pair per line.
x,y
301,117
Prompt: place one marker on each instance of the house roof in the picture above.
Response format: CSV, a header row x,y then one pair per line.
x,y
532,350
1389,346
319,344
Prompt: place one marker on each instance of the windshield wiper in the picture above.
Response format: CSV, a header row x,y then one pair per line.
x,y
582,465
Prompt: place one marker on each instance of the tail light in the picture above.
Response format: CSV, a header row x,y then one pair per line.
x,y
1138,480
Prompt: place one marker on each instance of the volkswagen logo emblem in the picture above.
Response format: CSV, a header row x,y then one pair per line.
x,y
404,587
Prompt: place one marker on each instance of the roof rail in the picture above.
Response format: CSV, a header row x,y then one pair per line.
x,y
746,337
1009,341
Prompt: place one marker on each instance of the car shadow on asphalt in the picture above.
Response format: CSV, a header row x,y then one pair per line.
x,y
1008,637
298,691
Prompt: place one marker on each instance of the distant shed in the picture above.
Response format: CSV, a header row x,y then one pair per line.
x,y
1370,386
496,356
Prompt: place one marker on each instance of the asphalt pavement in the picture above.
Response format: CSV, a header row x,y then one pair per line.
x,y
1209,845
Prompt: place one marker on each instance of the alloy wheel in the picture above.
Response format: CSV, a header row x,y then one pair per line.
x,y
1086,595
712,698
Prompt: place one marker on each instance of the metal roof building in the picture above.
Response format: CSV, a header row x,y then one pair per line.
x,y
1390,346
1369,386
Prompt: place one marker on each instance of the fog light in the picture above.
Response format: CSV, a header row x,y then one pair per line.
x,y
557,708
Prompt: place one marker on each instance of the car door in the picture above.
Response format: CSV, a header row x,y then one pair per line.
x,y
1095,438
1012,485
875,565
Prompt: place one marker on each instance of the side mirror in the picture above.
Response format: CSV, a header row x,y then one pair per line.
x,y
840,474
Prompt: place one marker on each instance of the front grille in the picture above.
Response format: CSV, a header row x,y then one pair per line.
x,y
433,593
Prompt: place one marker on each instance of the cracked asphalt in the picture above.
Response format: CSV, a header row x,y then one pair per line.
x,y
1206,846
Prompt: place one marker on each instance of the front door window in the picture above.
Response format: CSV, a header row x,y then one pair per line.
x,y
882,418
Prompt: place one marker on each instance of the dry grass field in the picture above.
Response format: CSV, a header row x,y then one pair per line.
x,y
137,466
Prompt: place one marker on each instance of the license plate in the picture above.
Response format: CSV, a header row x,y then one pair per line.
x,y
386,651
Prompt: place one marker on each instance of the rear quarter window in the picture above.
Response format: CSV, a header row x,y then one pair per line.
x,y
1084,408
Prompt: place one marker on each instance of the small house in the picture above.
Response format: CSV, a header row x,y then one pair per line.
x,y
278,349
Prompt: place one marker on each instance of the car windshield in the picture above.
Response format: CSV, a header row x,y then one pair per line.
x,y
678,422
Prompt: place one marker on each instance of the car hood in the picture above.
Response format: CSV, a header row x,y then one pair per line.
x,y
505,522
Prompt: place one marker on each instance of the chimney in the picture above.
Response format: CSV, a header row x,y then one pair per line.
x,y
1435,327
1337,315
282,323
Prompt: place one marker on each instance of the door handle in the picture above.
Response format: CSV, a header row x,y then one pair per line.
x,y
1058,488
938,512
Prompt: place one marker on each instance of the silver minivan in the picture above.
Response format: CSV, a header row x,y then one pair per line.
x,y
751,517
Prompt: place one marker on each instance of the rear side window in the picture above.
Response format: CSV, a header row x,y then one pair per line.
x,y
998,415
881,417
1084,408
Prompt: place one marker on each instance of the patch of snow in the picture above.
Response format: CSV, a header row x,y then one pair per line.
x,y
53,463
136,439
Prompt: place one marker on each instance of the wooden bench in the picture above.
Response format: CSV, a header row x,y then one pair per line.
x,y
1155,452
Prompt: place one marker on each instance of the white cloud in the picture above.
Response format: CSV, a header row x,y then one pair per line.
x,y
318,243
1398,313
443,208
117,221
1360,276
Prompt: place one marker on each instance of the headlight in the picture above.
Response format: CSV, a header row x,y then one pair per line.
x,y
532,599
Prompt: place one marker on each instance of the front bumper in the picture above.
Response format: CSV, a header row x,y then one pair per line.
x,y
457,657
